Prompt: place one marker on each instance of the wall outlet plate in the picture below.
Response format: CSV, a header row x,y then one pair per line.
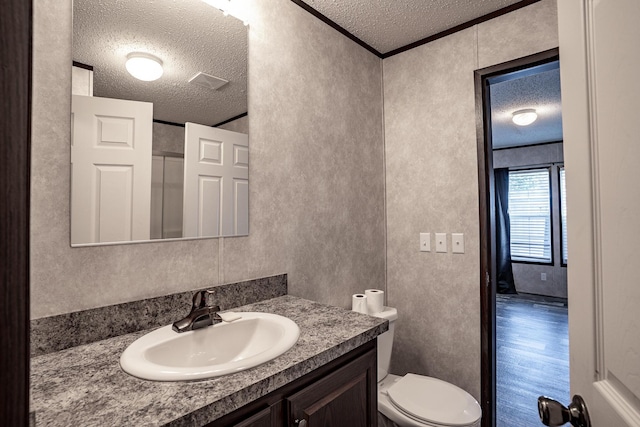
x,y
457,243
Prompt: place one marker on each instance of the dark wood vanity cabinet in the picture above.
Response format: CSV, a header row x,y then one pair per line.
x,y
342,398
341,393
267,417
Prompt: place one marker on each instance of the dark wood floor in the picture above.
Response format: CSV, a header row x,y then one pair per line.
x,y
532,351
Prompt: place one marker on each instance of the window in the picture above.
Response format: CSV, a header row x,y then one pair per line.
x,y
530,215
563,215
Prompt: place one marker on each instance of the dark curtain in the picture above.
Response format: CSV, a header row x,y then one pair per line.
x,y
505,282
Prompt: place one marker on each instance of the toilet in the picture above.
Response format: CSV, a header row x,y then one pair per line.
x,y
416,400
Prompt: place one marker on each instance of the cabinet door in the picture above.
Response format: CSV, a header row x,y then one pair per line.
x,y
268,417
346,397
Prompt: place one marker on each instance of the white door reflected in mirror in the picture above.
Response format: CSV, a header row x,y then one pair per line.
x,y
213,44
110,170
216,182
118,197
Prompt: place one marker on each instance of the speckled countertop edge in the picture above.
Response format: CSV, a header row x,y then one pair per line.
x,y
84,385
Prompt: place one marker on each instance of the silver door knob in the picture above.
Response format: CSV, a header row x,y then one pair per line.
x,y
301,423
553,413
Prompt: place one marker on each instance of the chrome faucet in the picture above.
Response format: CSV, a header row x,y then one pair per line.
x,y
201,315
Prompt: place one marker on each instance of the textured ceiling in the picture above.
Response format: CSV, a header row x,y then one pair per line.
x,y
386,25
540,91
188,35
191,36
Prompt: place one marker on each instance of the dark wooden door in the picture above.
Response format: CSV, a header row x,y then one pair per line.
x,y
346,397
268,417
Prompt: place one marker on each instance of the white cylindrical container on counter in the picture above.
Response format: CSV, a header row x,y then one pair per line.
x,y
375,300
359,303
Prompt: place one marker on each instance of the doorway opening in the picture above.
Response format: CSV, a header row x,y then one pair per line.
x,y
523,239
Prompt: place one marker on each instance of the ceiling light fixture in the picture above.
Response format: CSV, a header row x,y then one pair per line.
x,y
144,66
524,117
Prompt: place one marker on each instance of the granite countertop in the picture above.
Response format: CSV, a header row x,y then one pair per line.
x,y
84,385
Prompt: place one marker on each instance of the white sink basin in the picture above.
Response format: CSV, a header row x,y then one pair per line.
x,y
224,348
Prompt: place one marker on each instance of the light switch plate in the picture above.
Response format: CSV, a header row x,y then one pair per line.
x,y
457,243
425,242
441,242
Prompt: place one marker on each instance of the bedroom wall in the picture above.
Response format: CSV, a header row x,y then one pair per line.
x,y
528,277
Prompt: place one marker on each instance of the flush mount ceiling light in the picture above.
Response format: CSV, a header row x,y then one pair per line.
x,y
144,66
524,117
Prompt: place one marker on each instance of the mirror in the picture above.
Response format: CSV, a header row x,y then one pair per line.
x,y
133,177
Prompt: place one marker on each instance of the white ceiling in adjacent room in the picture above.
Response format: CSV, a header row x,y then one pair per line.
x,y
538,89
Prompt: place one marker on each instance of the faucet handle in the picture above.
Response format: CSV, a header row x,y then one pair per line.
x,y
200,299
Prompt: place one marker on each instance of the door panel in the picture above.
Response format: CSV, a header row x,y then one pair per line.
x,y
111,170
114,210
600,60
209,205
216,177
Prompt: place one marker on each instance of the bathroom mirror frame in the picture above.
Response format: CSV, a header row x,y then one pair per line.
x,y
215,44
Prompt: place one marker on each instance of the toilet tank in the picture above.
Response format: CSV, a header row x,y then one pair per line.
x,y
385,341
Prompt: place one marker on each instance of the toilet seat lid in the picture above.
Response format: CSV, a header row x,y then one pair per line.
x,y
434,401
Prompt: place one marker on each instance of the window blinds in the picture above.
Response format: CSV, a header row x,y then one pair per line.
x,y
563,214
530,215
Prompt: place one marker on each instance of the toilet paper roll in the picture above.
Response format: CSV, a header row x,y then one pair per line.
x,y
375,300
359,303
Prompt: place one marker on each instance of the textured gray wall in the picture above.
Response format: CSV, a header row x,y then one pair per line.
x,y
65,279
239,125
527,276
317,183
432,186
317,180
317,169
168,138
